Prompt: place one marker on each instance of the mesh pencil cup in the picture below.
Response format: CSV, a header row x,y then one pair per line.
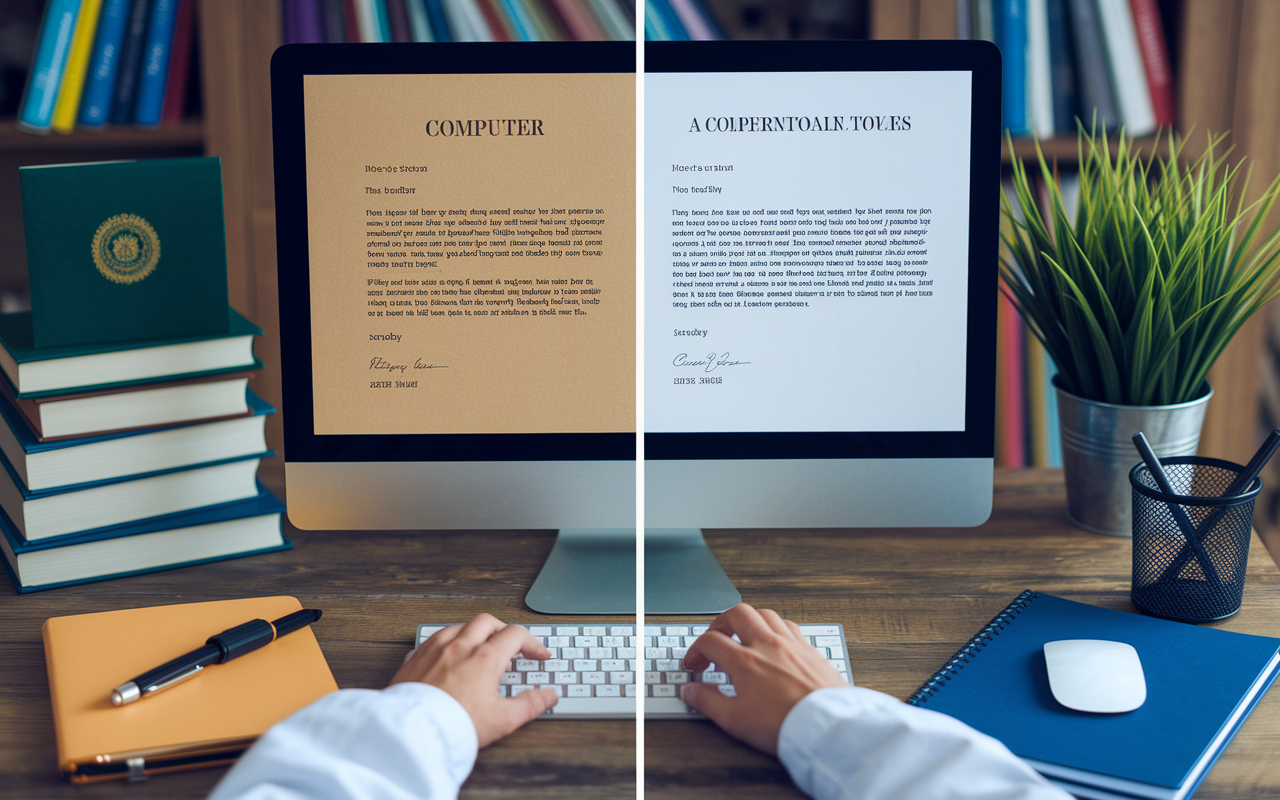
x,y
1190,549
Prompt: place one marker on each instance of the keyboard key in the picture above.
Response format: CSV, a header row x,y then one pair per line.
x,y
511,678
578,690
593,677
515,690
656,652
622,678
677,677
669,641
567,630
502,691
585,665
540,630
608,690
526,665
613,665
586,641
599,652
566,677
593,630
558,641
622,630
653,677
652,630
665,691
677,630
573,652
665,706
615,706
629,690
537,678
555,665
667,665
714,677
728,690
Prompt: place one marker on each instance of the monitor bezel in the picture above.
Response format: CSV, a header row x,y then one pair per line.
x,y
982,59
289,65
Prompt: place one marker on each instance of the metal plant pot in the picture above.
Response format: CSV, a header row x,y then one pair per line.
x,y
1098,452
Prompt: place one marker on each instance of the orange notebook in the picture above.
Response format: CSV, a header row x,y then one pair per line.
x,y
208,720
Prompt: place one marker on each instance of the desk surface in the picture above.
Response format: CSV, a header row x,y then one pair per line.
x,y
909,599
374,589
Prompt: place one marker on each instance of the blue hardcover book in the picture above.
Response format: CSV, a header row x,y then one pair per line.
x,y
122,455
383,20
419,21
231,530
1013,57
135,39
439,24
1062,71
1202,683
54,43
667,24
153,73
97,506
104,62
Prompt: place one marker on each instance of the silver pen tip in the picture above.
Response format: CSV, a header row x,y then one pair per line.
x,y
125,693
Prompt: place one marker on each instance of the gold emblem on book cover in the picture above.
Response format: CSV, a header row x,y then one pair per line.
x,y
126,248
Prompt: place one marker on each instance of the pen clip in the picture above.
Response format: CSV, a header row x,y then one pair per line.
x,y
191,673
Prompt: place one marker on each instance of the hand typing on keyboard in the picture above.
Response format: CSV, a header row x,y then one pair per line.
x,y
772,667
467,661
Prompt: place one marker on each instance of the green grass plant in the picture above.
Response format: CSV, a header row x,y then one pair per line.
x,y
1163,264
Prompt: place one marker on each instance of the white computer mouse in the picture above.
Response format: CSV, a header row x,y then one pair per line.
x,y
1095,675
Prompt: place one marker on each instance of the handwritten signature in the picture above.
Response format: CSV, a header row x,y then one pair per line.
x,y
378,362
710,363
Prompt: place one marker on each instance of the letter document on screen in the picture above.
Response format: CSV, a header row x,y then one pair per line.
x,y
471,241
806,251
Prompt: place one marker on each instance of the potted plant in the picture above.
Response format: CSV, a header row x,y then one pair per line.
x,y
1135,300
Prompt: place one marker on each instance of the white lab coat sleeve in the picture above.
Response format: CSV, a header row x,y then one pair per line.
x,y
854,743
410,741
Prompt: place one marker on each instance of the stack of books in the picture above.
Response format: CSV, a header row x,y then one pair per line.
x,y
102,62
1067,59
372,21
126,458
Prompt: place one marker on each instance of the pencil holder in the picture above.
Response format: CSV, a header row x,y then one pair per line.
x,y
1190,549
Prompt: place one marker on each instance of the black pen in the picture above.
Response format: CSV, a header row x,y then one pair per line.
x,y
219,649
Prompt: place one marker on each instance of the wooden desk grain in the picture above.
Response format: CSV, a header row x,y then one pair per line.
x,y
909,599
374,589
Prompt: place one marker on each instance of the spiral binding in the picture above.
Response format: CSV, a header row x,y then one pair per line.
x,y
972,648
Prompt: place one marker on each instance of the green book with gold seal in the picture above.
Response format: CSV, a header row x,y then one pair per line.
x,y
125,251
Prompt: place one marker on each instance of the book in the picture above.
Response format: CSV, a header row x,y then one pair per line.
x,y
61,416
439,25
204,722
351,22
104,64
41,371
97,507
663,21
135,39
419,21
578,21
125,250
1155,60
175,89
232,530
1039,70
334,23
154,70
613,19
1062,70
90,459
1128,76
35,112
73,75
1095,94
1013,59
466,21
398,21
1202,683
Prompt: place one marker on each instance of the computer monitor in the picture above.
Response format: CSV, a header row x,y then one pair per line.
x,y
456,249
820,248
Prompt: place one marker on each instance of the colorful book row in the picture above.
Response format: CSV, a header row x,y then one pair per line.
x,y
102,62
1026,399
1069,59
311,21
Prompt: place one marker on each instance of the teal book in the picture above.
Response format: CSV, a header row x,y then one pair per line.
x,y
125,251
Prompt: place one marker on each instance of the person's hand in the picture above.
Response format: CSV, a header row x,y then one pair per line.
x,y
772,669
468,660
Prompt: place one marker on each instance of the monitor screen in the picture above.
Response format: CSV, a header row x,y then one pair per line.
x,y
820,239
456,245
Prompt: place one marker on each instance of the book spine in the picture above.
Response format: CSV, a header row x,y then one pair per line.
x,y
398,21
545,21
1128,77
675,31
419,22
1013,56
332,16
383,20
155,63
1155,59
310,30
972,648
104,63
984,20
517,20
692,19
578,20
439,24
1096,96
613,20
367,21
1039,69
494,23
964,19
73,77
175,90
135,39
351,17
36,109
289,21
1062,71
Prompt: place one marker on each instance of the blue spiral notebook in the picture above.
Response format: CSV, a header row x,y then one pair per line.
x,y
1202,683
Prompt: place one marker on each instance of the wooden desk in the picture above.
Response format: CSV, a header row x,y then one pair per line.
x,y
374,589
909,599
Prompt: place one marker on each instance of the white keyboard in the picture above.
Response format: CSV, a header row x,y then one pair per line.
x,y
665,646
592,668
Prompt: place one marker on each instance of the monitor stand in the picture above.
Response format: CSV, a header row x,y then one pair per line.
x,y
589,571
682,576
